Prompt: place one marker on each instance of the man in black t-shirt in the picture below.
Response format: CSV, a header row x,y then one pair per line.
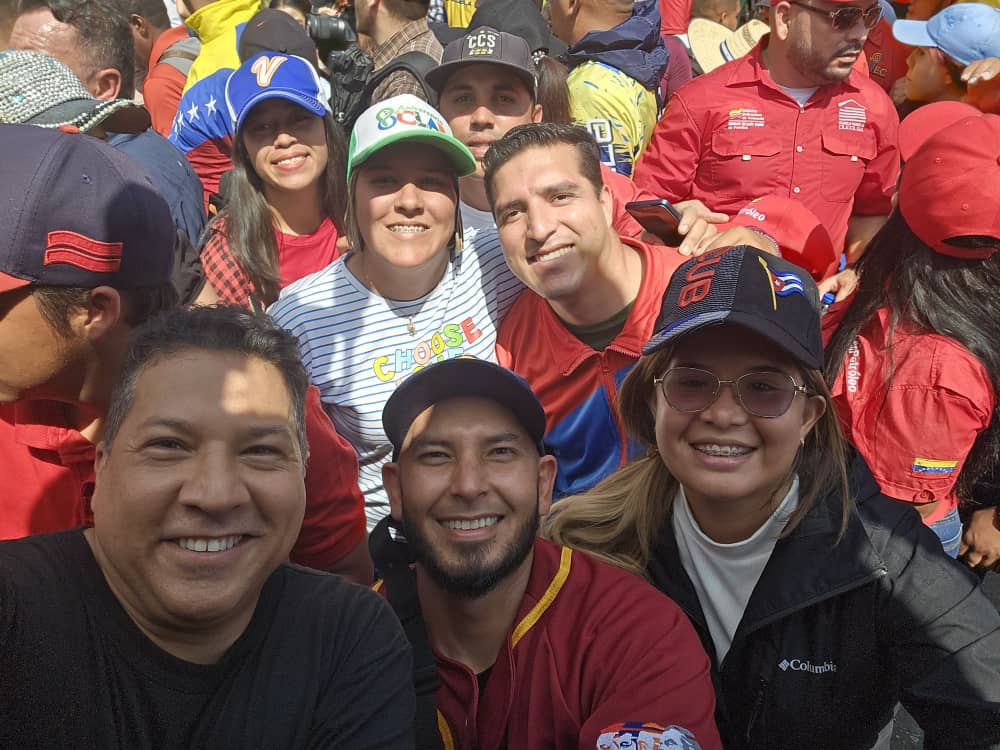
x,y
175,622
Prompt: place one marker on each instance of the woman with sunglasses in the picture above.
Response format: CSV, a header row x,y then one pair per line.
x,y
410,292
286,191
820,602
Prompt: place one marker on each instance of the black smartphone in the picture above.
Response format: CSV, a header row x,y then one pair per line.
x,y
657,217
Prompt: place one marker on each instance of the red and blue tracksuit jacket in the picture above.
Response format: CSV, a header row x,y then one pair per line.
x,y
577,385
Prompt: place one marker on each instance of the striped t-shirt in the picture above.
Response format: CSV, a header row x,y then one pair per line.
x,y
358,346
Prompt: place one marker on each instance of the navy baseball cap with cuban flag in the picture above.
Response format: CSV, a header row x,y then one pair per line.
x,y
747,287
270,75
77,212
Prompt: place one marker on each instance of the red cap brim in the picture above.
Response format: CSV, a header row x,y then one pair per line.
x,y
9,283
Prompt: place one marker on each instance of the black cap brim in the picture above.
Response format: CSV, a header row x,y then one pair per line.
x,y
457,378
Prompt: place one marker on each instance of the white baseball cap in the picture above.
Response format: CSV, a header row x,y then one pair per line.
x,y
401,118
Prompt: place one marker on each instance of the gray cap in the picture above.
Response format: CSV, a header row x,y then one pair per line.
x,y
486,45
36,89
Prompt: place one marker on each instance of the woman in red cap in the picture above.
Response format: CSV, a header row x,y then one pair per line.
x,y
915,363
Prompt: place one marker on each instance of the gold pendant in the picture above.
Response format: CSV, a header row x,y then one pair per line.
x,y
411,329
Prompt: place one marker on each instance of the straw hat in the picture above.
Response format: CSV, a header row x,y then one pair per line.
x,y
712,44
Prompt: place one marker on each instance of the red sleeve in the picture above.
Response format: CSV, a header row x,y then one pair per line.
x,y
916,443
161,93
874,195
675,15
670,161
623,191
335,508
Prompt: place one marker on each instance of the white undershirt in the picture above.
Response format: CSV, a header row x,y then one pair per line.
x,y
724,575
474,219
800,95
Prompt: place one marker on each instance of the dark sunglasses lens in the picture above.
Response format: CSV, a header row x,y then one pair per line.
x,y
766,394
845,18
687,389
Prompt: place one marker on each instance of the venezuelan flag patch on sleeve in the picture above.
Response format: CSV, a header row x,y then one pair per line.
x,y
932,466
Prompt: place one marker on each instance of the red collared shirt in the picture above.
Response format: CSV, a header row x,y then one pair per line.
x,y
47,471
733,135
916,433
886,56
163,85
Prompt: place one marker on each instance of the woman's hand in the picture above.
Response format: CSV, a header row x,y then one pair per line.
x,y
978,71
841,284
980,548
696,225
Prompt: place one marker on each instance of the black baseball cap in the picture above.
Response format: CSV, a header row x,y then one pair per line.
x,y
750,288
455,378
75,211
486,45
273,30
519,17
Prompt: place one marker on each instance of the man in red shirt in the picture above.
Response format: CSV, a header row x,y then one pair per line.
x,y
791,118
535,645
166,55
86,250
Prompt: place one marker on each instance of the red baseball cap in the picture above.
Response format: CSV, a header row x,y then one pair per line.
x,y
948,186
927,120
801,237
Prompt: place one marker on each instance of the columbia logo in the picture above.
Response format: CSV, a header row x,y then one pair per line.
x,y
798,665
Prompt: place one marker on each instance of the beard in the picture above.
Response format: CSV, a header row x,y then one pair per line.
x,y
819,67
477,574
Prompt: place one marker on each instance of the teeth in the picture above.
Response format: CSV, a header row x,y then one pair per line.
x,y
292,160
407,228
209,544
553,255
712,449
477,523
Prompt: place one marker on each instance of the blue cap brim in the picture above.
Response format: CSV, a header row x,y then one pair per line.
x,y
913,33
315,106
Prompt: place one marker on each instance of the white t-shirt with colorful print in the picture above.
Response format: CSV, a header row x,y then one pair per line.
x,y
358,346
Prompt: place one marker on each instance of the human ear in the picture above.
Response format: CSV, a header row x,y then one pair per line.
x,y
101,314
390,480
781,20
815,408
547,469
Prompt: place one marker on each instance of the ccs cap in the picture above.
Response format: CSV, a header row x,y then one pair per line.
x,y
801,237
272,30
964,32
486,45
747,287
949,184
77,212
269,75
405,118
455,378
518,17
36,89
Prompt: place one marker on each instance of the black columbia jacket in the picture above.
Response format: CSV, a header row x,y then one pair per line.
x,y
835,634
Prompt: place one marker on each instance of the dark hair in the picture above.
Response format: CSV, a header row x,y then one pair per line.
x,y
928,292
247,222
543,135
553,91
154,11
303,6
105,35
138,305
709,8
228,329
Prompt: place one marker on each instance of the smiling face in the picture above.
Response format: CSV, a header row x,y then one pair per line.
x,y
286,145
201,495
481,102
722,455
469,488
405,201
555,227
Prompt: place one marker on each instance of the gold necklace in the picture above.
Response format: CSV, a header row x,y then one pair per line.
x,y
410,327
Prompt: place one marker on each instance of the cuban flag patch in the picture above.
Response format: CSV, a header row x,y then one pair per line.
x,y
930,466
782,284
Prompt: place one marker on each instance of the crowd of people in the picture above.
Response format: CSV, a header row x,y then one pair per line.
x,y
458,374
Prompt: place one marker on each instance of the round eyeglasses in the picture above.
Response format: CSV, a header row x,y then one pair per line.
x,y
763,394
845,18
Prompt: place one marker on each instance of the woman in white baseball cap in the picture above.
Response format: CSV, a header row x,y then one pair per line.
x,y
411,291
